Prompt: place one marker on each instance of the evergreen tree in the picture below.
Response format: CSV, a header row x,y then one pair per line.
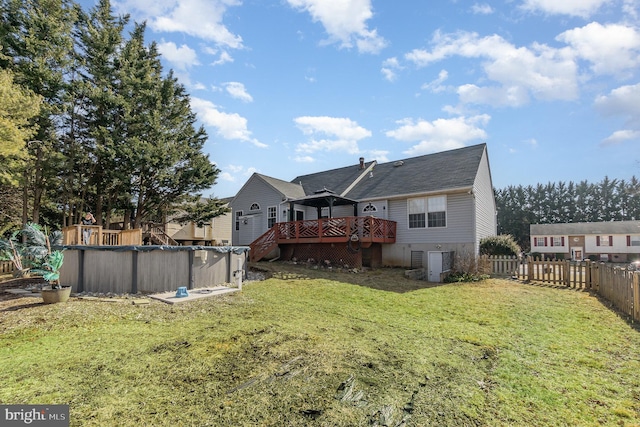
x,y
17,107
36,40
162,155
98,133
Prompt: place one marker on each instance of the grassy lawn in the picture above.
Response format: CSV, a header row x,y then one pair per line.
x,y
317,348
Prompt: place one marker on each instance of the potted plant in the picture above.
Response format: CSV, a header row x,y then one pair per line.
x,y
47,261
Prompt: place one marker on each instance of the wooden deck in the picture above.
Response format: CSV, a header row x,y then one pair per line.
x,y
72,235
364,230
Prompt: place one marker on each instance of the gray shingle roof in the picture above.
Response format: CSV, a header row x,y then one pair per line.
x,y
583,228
336,180
423,174
288,189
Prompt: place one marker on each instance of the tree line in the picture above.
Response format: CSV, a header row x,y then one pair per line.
x,y
561,202
90,120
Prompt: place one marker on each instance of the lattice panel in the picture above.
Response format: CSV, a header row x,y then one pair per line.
x,y
337,255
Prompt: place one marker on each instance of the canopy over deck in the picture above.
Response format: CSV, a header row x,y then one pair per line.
x,y
323,199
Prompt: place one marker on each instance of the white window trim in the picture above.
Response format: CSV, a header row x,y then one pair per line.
x,y
272,209
426,211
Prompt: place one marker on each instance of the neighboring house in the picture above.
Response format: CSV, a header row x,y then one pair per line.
x,y
415,212
215,233
615,241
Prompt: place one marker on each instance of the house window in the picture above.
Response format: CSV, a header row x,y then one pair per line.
x,y
417,213
271,216
558,241
369,208
437,215
540,241
238,215
254,207
604,240
633,241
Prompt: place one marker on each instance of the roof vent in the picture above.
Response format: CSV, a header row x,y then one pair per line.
x,y
398,163
361,162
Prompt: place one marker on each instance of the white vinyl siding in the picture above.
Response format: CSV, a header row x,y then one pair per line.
x,y
256,193
486,223
459,229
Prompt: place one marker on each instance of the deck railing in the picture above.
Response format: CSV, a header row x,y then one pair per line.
x,y
73,235
365,229
329,230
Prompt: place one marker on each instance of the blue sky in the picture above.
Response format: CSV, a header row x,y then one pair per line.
x,y
290,87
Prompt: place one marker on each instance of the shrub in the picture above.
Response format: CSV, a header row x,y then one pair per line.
x,y
504,244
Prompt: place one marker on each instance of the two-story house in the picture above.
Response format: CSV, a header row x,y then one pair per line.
x,y
615,241
417,212
216,232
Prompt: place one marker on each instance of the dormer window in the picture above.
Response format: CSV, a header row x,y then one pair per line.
x,y
254,207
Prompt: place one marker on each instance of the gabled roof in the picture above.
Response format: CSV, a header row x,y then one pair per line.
x,y
290,190
447,170
583,228
335,180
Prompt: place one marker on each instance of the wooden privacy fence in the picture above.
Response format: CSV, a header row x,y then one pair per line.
x,y
6,267
616,284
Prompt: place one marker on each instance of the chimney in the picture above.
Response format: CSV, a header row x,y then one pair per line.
x,y
361,162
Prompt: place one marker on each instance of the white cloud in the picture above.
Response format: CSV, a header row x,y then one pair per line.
x,y
623,102
226,176
481,9
435,86
229,126
304,159
238,91
342,134
381,156
519,72
235,168
532,142
630,9
198,18
440,134
611,49
513,96
231,173
389,68
182,57
223,58
345,22
581,8
621,136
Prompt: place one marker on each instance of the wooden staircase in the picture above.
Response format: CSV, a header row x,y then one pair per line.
x,y
157,236
264,244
